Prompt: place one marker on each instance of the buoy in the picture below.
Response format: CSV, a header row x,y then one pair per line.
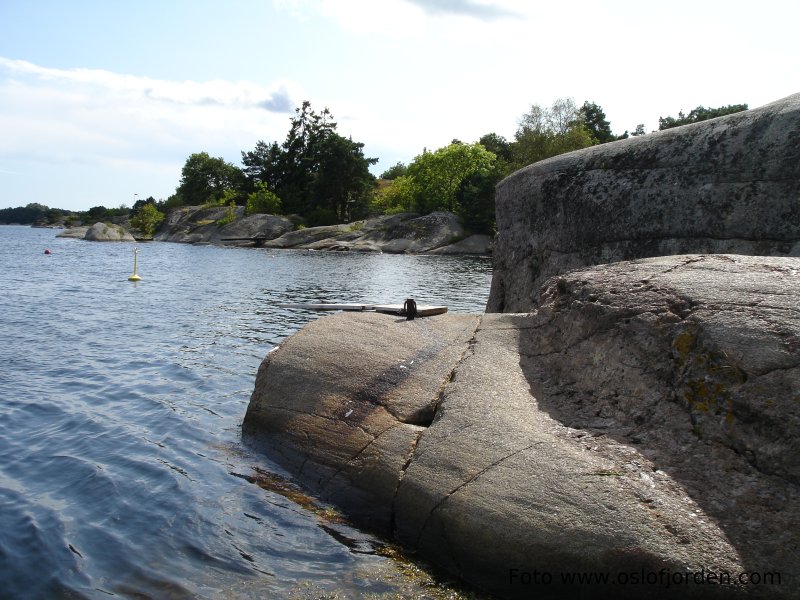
x,y
135,275
47,251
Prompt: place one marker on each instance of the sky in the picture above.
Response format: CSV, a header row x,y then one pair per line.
x,y
102,101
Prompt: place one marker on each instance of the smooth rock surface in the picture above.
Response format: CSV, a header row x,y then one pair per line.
x,y
474,244
396,234
102,232
193,224
345,399
644,419
74,232
253,226
728,185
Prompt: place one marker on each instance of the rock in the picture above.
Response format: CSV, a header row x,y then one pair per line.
x,y
346,410
474,244
404,232
254,226
304,238
193,224
643,420
401,233
421,234
687,365
74,232
102,232
728,185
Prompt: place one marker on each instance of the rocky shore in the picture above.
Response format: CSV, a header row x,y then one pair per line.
x,y
628,427
436,233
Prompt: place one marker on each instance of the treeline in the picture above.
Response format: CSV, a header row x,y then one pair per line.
x,y
324,178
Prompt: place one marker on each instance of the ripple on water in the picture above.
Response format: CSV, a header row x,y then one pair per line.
x,y
120,410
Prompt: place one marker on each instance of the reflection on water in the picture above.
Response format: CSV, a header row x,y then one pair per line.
x,y
121,470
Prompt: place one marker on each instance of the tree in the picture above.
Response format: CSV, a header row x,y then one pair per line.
x,y
96,213
594,120
205,179
263,164
546,132
438,175
342,182
398,196
701,113
147,218
315,170
395,171
497,145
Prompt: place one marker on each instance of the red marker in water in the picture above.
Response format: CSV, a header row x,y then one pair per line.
x,y
47,251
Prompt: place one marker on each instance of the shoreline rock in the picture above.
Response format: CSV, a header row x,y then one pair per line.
x,y
102,232
727,185
436,233
583,437
621,418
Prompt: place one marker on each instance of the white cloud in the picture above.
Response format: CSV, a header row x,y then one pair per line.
x,y
241,94
107,122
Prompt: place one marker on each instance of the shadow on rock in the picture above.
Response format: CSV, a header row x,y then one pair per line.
x,y
683,374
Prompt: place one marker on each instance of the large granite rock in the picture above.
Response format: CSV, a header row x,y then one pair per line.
x,y
103,232
728,185
74,232
345,400
254,227
642,424
193,224
396,234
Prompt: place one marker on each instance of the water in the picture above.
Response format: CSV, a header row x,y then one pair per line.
x,y
122,472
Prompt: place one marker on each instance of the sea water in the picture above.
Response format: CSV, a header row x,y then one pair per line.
x,y
122,469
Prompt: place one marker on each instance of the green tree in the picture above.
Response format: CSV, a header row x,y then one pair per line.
x,y
342,182
397,197
96,214
315,170
395,171
701,113
205,179
438,175
546,132
147,218
264,164
263,201
497,145
594,120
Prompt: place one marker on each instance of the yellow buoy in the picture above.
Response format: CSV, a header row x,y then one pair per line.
x,y
135,276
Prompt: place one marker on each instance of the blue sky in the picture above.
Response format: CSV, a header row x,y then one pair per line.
x,y
101,102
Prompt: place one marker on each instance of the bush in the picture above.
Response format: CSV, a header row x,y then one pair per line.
x,y
147,219
263,201
230,216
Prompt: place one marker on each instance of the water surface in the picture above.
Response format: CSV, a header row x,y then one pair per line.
x,y
122,472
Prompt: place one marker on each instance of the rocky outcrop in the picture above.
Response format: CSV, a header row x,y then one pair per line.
x,y
254,227
410,233
103,232
728,185
642,423
74,232
439,232
193,224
